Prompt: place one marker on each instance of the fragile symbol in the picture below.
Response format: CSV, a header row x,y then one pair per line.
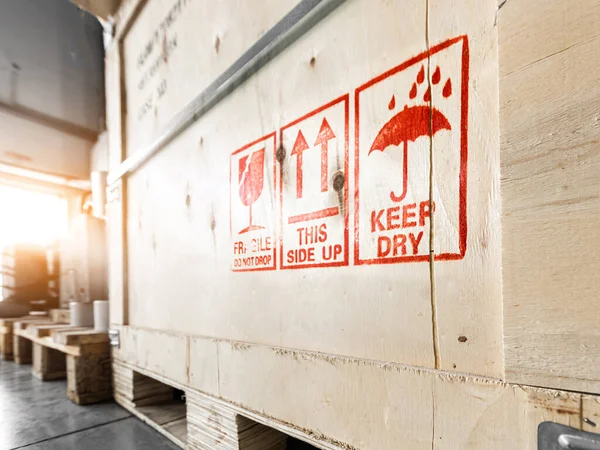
x,y
252,219
251,181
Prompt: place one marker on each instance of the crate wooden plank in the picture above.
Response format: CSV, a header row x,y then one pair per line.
x,y
558,26
493,415
118,311
113,107
550,161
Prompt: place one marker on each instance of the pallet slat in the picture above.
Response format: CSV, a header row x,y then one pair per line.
x,y
81,337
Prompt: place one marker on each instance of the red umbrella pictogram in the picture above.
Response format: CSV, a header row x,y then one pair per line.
x,y
410,124
251,181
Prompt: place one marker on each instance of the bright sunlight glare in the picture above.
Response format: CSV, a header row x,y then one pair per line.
x,y
31,217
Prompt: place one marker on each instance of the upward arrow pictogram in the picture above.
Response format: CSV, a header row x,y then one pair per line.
x,y
323,138
299,147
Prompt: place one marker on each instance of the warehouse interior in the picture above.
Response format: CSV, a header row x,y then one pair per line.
x,y
299,224
52,121
53,170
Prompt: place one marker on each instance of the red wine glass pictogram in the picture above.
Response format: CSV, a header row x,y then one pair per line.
x,y
251,181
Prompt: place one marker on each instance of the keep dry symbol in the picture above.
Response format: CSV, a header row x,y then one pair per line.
x,y
251,181
411,123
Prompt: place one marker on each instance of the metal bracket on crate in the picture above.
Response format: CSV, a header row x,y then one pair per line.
x,y
554,436
113,194
115,340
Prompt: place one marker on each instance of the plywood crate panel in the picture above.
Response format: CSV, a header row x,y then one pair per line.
x,y
378,303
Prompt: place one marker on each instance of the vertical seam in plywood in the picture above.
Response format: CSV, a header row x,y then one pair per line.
x,y
434,331
436,350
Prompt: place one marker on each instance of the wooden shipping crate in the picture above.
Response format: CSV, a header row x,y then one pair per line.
x,y
354,231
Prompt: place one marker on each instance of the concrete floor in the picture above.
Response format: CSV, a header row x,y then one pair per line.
x,y
36,415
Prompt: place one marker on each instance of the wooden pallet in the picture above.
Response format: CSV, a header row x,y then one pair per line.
x,y
82,355
56,316
6,336
22,346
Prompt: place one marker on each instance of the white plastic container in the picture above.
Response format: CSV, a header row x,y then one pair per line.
x,y
101,315
82,314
